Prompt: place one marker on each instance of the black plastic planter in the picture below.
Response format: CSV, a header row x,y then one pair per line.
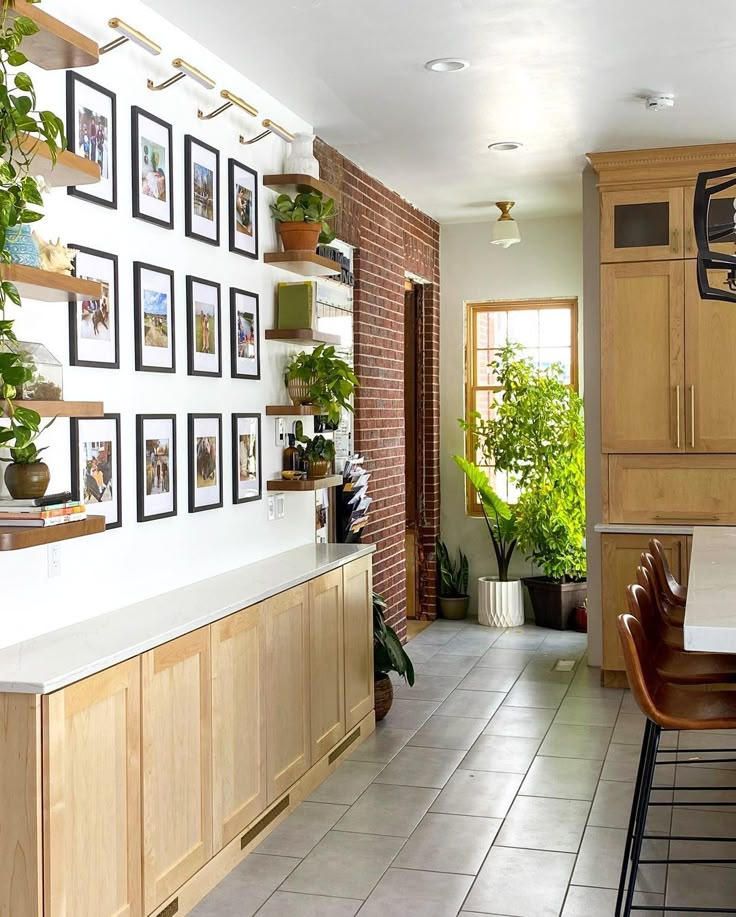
x,y
554,603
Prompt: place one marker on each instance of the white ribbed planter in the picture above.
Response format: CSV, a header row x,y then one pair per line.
x,y
500,604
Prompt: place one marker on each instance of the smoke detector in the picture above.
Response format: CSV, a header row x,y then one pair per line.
x,y
659,102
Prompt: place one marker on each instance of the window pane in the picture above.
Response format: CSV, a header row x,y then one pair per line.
x,y
554,327
550,355
497,328
524,327
483,403
484,376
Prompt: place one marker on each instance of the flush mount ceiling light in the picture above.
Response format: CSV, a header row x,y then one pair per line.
x,y
447,64
505,146
505,230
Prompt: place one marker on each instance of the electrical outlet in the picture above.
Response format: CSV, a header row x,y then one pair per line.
x,y
53,557
280,506
280,426
271,509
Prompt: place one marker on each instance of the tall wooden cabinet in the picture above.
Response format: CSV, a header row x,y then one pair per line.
x,y
326,663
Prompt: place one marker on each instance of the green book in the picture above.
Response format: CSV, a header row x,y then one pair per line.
x,y
296,305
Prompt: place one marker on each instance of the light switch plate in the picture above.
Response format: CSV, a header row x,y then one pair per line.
x,y
53,558
280,506
271,509
280,427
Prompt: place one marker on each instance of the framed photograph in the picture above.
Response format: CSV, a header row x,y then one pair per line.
x,y
155,444
246,457
152,158
205,462
245,330
91,128
96,466
202,170
94,328
204,352
155,346
243,209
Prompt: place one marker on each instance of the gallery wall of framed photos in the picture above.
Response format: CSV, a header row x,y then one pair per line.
x,y
176,350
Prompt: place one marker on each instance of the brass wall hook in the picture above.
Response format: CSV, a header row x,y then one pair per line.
x,y
184,69
128,33
231,100
271,128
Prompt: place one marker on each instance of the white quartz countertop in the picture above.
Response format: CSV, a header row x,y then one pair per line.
x,y
622,528
710,613
54,660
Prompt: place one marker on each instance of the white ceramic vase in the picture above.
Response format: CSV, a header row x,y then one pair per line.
x,y
301,159
500,604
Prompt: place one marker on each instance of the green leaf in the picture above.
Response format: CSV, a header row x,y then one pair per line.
x,y
30,216
25,26
11,291
17,59
23,82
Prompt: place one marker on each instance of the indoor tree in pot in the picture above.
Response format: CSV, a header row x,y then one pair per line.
x,y
388,656
302,220
321,378
536,436
453,577
500,598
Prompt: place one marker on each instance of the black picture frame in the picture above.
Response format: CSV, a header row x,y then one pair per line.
x,y
140,356
74,339
167,223
236,458
140,422
191,142
192,352
192,462
76,427
233,166
72,80
234,337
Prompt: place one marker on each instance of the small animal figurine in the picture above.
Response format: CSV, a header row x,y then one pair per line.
x,y
55,257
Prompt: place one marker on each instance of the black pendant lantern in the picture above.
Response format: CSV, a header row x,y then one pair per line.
x,y
715,222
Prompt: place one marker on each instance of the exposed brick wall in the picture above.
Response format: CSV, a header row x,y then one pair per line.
x,y
391,237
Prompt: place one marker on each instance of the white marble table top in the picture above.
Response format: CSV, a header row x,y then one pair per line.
x,y
710,613
54,660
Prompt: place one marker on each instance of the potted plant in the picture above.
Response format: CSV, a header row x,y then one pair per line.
x,y
320,377
388,656
317,452
536,436
500,598
453,581
302,220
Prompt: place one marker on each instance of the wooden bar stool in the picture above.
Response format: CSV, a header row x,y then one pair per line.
x,y
673,614
674,592
666,706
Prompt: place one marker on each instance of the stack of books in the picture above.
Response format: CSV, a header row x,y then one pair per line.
x,y
52,509
354,502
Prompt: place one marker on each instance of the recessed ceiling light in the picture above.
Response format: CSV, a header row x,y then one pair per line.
x,y
505,146
447,64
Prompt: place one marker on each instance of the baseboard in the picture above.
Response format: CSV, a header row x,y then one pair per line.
x,y
213,872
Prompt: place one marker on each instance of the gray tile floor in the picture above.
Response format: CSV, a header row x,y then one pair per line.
x,y
495,786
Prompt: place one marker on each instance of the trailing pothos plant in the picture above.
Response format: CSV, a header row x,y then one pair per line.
x,y
22,126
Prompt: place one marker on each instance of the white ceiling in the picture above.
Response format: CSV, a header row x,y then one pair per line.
x,y
562,76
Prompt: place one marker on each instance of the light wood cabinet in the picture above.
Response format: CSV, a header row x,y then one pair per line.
x,y
177,764
620,558
287,689
92,787
642,357
358,616
326,663
238,723
642,225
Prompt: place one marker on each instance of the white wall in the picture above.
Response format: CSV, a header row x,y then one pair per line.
x,y
123,565
547,263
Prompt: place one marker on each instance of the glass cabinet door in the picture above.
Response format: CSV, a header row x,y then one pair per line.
x,y
642,225
721,212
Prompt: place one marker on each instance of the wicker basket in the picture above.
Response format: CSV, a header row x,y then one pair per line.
x,y
299,391
384,695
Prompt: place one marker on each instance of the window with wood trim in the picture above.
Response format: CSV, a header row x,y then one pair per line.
x,y
546,329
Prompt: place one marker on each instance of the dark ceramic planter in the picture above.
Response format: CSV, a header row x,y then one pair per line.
x,y
554,603
27,481
383,695
454,609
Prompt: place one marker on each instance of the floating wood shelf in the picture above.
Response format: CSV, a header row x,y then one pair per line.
x,y
293,410
301,336
332,480
48,286
12,538
306,263
70,169
63,408
292,182
56,46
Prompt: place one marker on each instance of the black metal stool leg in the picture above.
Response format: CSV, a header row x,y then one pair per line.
x,y
641,816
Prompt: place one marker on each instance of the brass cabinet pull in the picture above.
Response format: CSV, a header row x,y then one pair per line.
x,y
675,241
686,517
692,416
677,412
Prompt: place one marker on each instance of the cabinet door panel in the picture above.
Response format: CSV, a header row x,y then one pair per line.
x,y
620,558
358,605
326,663
238,723
92,817
642,359
287,689
642,225
177,763
710,367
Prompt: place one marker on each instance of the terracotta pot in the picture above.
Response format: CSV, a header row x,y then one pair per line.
x,y
384,695
300,236
318,469
299,391
454,609
26,481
